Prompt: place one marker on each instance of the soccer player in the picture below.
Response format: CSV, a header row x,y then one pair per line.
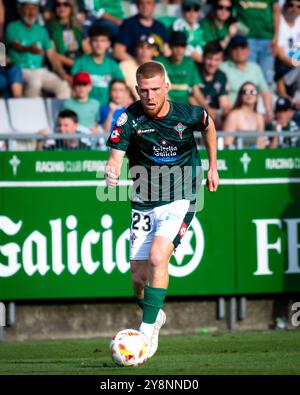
x,y
157,136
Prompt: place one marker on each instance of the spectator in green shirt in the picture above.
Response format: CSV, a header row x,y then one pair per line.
x,y
87,109
239,70
28,43
66,33
181,71
262,20
101,68
219,24
189,23
105,13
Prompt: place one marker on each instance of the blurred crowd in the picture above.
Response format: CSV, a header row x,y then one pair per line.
x,y
239,59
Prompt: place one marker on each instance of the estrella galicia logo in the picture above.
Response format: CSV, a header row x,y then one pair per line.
x,y
165,153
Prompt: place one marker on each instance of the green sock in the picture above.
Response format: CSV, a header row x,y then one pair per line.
x,y
140,302
153,301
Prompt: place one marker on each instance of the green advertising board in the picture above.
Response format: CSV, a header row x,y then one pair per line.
x,y
58,240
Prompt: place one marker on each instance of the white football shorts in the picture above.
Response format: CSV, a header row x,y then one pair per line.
x,y
170,220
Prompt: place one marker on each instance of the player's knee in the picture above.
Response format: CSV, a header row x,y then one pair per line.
x,y
157,259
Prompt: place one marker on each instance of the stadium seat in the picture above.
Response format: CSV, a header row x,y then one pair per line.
x,y
28,115
53,108
5,127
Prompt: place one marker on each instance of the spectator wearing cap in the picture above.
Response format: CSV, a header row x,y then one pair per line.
x,y
214,85
189,23
283,122
28,44
101,68
143,23
66,33
182,71
219,24
239,70
144,52
261,17
287,54
87,109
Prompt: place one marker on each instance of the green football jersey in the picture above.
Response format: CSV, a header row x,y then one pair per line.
x,y
163,157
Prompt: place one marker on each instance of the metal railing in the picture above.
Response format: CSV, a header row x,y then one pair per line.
x,y
96,141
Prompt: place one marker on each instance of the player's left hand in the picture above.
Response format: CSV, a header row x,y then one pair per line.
x,y
212,181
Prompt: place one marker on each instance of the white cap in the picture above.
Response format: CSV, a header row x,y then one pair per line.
x,y
35,2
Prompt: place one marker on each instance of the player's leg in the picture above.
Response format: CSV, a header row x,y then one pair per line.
x,y
140,277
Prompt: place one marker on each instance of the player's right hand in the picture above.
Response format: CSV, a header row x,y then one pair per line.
x,y
111,177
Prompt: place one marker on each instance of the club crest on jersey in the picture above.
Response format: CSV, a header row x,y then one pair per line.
x,y
122,119
180,128
182,230
115,135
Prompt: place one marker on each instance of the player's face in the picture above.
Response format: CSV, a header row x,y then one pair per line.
x,y
100,45
153,94
212,62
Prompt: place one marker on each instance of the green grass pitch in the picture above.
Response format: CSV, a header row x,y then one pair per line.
x,y
272,352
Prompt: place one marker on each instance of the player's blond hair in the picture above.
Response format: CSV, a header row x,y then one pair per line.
x,y
150,70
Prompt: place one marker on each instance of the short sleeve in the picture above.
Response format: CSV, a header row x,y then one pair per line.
x,y
224,86
120,135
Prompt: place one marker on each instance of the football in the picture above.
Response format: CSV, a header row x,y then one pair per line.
x,y
129,348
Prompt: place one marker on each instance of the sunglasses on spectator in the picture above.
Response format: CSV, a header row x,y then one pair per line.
x,y
62,4
248,92
293,5
191,8
221,7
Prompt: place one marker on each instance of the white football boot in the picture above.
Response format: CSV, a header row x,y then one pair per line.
x,y
153,343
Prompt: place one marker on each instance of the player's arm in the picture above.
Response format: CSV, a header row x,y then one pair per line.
x,y
113,167
210,141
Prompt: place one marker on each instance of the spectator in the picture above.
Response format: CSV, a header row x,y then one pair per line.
x,y
11,82
262,19
214,85
28,44
182,71
105,13
219,24
86,109
67,123
289,87
244,117
47,9
141,24
101,67
66,33
145,49
119,101
283,122
287,54
238,70
189,23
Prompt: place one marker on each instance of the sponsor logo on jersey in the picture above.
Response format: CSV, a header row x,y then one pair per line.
x,y
165,152
115,135
180,128
141,131
122,119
